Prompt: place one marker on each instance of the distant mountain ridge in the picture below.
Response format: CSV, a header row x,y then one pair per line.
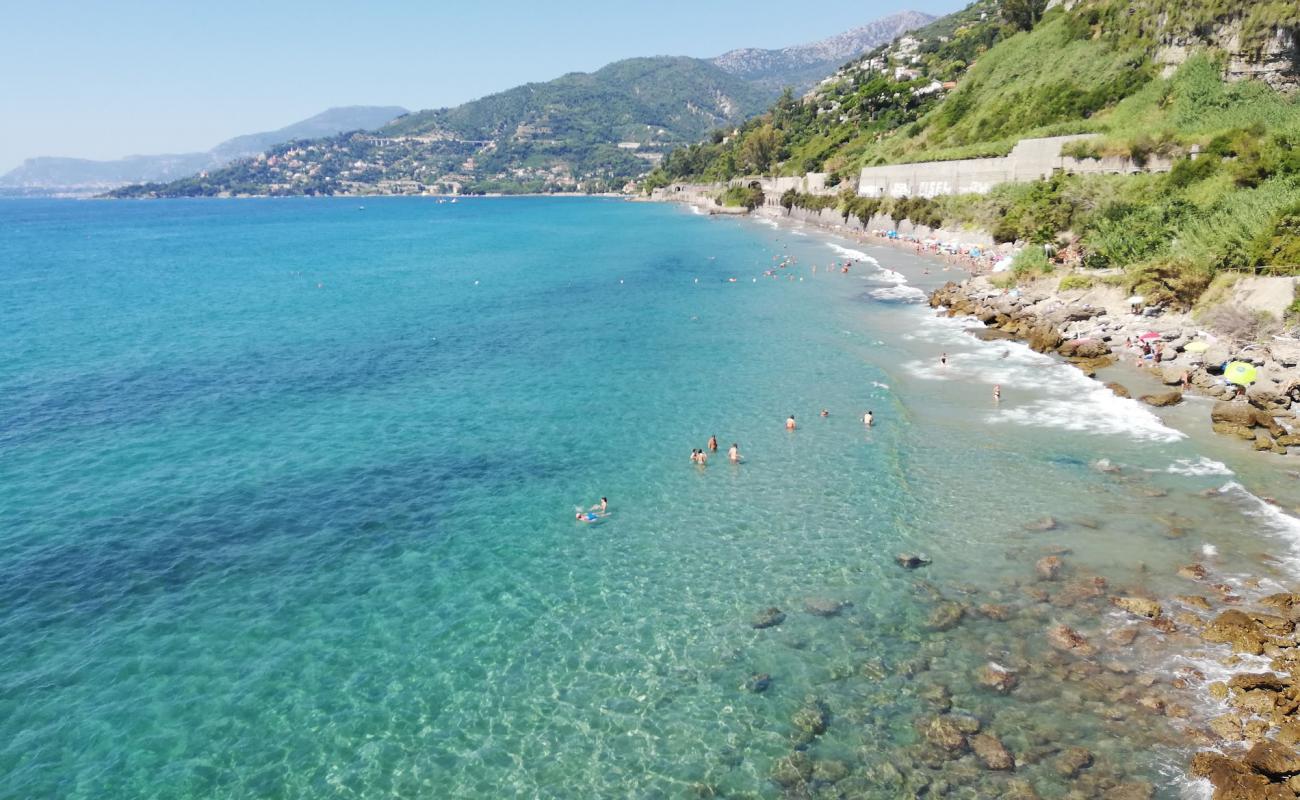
x,y
81,175
812,61
579,132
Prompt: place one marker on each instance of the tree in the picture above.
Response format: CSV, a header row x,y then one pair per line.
x,y
759,148
1023,14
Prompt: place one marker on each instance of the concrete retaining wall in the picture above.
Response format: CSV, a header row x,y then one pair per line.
x,y
1029,160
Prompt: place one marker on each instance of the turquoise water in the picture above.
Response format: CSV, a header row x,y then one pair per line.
x,y
287,493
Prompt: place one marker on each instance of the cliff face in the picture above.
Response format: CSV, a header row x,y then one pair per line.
x,y
1273,59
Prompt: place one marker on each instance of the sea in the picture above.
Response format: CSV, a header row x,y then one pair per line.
x,y
288,496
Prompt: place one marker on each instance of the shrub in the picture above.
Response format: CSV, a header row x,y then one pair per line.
x,y
1070,282
1031,260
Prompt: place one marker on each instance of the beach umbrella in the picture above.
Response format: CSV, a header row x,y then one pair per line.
x,y
1149,336
1240,373
1198,346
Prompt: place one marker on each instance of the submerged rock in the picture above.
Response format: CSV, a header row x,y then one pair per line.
x,y
912,560
1044,524
991,752
793,770
810,720
1072,761
1068,640
1119,389
943,732
1048,567
824,607
944,616
998,678
758,682
768,618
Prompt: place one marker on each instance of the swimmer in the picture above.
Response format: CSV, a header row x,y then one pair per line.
x,y
869,419
997,392
825,413
733,454
943,359
703,459
603,505
789,423
713,443
586,516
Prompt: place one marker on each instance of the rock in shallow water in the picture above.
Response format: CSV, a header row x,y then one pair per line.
x,y
945,616
758,682
1072,761
912,560
998,678
991,752
1044,524
768,618
1048,567
1138,606
824,607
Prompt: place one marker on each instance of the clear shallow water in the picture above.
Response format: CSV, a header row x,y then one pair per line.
x,y
286,498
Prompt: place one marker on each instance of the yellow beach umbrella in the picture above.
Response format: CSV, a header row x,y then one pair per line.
x,y
1198,346
1240,373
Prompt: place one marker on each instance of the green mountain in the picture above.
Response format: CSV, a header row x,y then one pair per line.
x,y
50,174
582,131
1209,86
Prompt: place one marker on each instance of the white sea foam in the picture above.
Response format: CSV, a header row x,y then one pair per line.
x,y
771,223
798,233
880,385
1283,525
1201,466
883,275
855,255
899,294
1053,394
696,210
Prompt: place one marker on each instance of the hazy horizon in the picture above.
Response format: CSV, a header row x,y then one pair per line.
x,y
149,78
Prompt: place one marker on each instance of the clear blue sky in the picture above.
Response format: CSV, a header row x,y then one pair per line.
x,y
103,80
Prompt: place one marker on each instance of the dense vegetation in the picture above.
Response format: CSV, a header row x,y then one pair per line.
x,y
1231,201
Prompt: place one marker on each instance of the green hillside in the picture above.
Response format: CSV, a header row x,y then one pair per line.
x,y
1231,202
561,134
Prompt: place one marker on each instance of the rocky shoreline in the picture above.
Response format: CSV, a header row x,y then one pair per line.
x,y
1092,330
1251,747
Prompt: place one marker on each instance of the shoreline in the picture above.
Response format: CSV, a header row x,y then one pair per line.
x,y
1232,650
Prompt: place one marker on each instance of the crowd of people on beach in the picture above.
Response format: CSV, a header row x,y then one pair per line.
x,y
971,256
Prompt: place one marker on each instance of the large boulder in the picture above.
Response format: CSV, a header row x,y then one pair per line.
x,y
1043,338
1233,780
1244,415
1161,399
1084,348
1237,629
